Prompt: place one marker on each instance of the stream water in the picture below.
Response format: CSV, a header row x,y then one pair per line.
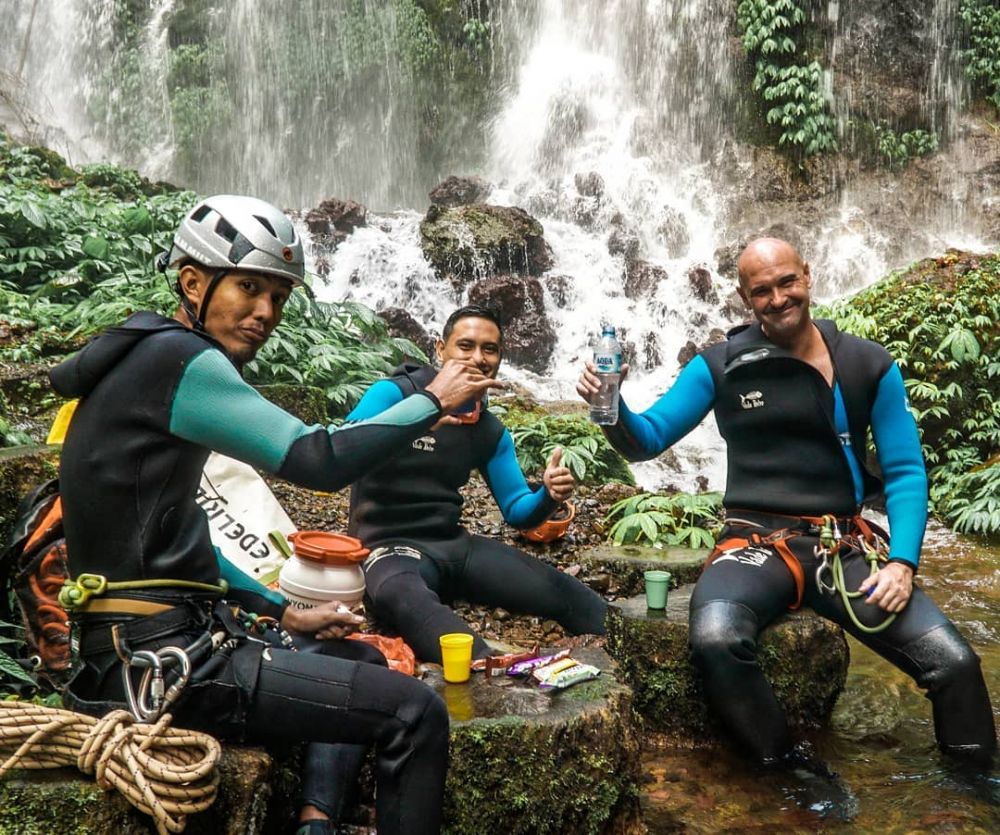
x,y
881,739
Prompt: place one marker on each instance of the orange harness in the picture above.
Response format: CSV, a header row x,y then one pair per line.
x,y
779,539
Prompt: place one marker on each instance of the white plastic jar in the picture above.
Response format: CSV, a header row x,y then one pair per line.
x,y
324,566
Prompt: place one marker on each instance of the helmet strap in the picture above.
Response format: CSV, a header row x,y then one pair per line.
x,y
197,318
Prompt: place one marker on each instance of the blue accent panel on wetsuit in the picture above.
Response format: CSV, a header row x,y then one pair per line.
x,y
844,433
682,407
215,408
897,443
521,506
245,590
379,397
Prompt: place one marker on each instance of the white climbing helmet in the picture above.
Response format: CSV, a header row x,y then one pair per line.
x,y
229,231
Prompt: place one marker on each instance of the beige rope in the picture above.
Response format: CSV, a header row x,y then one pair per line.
x,y
166,772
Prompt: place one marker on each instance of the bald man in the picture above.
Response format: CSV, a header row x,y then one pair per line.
x,y
794,399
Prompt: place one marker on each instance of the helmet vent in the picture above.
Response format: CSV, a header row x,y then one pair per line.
x,y
225,229
198,214
267,225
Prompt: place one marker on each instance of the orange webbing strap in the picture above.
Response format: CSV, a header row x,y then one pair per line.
x,y
54,515
777,540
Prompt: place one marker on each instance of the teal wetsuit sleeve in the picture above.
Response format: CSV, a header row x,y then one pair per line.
x,y
380,396
897,444
645,435
245,590
521,506
215,408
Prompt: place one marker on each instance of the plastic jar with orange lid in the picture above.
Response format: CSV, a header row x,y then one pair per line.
x,y
324,566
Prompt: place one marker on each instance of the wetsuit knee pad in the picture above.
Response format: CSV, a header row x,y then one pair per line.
x,y
721,631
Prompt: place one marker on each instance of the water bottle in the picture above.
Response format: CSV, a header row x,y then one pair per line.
x,y
608,359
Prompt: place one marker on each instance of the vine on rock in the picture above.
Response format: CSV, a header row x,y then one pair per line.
x,y
982,20
791,88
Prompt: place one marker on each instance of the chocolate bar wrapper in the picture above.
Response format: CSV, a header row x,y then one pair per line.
x,y
569,676
523,667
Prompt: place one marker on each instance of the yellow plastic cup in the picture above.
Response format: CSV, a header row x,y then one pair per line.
x,y
456,656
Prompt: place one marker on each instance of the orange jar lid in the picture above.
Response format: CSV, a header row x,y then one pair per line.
x,y
326,547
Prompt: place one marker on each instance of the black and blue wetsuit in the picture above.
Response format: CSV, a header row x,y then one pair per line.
x,y
408,512
157,398
796,447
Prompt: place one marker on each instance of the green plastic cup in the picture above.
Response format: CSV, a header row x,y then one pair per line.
x,y
657,583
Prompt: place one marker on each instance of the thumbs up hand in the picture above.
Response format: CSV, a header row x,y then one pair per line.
x,y
558,480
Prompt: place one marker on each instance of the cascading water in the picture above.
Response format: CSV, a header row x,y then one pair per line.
x,y
618,123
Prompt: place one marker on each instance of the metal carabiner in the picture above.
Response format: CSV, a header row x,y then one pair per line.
x,y
178,686
137,704
824,566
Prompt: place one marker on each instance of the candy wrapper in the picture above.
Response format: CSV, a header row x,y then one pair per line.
x,y
563,673
524,667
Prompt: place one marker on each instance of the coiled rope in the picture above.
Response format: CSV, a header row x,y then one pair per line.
x,y
168,773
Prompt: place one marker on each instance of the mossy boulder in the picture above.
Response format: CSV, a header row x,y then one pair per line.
x,y
527,761
21,469
479,240
626,564
64,801
803,656
307,403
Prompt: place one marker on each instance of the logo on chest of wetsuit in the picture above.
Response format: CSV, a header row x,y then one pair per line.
x,y
425,444
752,400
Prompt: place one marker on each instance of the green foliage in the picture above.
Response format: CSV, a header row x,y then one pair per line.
x,y
940,319
899,148
14,678
689,519
340,348
586,452
76,261
790,86
982,58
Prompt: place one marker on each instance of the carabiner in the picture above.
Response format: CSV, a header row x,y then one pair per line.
x,y
137,704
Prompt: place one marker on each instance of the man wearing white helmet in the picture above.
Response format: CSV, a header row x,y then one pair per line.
x,y
158,394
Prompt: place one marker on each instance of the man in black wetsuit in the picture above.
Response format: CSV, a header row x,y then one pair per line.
x,y
158,395
795,398
408,512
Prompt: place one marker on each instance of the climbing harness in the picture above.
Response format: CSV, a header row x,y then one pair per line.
x,y
830,572
831,541
165,772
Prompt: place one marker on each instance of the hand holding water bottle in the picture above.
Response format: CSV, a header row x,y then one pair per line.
x,y
599,383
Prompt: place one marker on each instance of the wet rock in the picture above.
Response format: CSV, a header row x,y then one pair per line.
x,y
559,288
691,349
700,281
803,656
673,233
590,184
868,709
527,761
626,564
625,242
402,324
641,278
529,337
734,309
478,241
650,351
334,220
460,191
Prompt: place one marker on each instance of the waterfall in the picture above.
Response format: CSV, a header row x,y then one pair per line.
x,y
622,125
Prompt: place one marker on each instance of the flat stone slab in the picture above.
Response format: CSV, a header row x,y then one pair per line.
x,y
803,656
626,563
531,761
